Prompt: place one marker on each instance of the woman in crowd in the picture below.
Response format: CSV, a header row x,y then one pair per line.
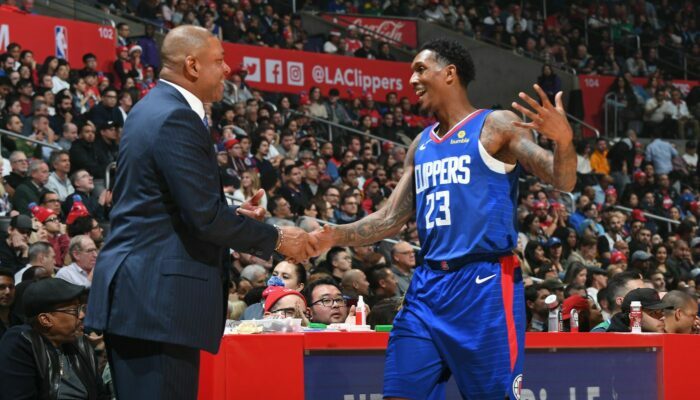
x,y
250,184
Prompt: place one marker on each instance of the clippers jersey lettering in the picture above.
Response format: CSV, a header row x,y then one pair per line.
x,y
464,206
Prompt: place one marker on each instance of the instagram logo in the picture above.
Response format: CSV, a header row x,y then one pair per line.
x,y
295,73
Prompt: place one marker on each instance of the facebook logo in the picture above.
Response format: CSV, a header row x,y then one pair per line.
x,y
273,71
61,36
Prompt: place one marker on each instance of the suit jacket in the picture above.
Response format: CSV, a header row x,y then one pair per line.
x,y
162,274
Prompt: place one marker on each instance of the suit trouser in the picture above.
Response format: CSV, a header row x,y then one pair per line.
x,y
143,369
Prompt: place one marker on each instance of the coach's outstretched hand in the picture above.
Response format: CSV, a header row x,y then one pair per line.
x,y
251,208
547,119
296,244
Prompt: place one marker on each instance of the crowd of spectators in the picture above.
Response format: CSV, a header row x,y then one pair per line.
x,y
606,38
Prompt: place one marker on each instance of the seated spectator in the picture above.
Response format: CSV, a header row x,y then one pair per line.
x,y
382,284
384,312
83,252
326,303
84,185
537,311
51,339
40,255
588,314
652,312
30,192
285,303
349,208
403,260
254,274
339,262
59,181
355,284
19,173
682,315
7,298
14,245
281,212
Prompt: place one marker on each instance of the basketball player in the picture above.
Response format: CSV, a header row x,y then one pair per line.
x,y
464,312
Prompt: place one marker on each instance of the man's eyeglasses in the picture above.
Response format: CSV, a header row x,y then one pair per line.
x,y
326,302
285,312
74,311
89,251
52,219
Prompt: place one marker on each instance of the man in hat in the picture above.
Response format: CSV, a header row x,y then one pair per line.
x,y
285,303
30,192
652,312
332,45
106,147
588,314
641,262
14,246
49,355
682,315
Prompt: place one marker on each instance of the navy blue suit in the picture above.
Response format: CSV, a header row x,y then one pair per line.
x,y
162,274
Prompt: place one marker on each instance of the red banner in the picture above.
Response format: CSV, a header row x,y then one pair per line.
x,y
594,87
290,71
392,30
61,38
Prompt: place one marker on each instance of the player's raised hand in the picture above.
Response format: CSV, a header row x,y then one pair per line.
x,y
548,119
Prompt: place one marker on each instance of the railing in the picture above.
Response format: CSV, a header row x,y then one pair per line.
x,y
585,124
332,125
652,216
607,104
18,136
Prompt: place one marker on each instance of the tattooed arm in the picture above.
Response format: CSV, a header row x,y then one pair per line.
x,y
510,139
382,223
515,143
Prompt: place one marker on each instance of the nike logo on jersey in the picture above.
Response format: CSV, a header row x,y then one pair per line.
x,y
422,147
479,281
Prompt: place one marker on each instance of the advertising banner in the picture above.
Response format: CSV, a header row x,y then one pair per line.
x,y
62,38
289,71
594,88
562,375
393,30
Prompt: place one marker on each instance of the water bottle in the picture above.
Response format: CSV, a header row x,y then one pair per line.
x,y
574,320
636,317
554,313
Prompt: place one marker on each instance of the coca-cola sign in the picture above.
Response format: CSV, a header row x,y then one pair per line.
x,y
393,30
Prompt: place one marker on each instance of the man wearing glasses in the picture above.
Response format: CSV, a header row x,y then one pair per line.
x,y
327,304
49,357
83,252
285,303
20,168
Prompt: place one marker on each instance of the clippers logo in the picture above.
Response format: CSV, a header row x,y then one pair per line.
x,y
273,71
295,73
252,64
61,37
517,386
444,266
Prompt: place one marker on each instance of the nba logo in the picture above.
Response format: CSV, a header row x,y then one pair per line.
x,y
444,266
61,36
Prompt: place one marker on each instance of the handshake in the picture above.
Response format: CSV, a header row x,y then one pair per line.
x,y
298,245
295,243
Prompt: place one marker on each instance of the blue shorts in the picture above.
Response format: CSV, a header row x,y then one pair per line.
x,y
469,323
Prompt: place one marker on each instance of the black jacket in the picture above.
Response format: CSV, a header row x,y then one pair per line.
x,y
84,156
30,369
619,322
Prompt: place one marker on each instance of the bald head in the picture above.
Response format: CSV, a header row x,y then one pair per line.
x,y
183,41
349,278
